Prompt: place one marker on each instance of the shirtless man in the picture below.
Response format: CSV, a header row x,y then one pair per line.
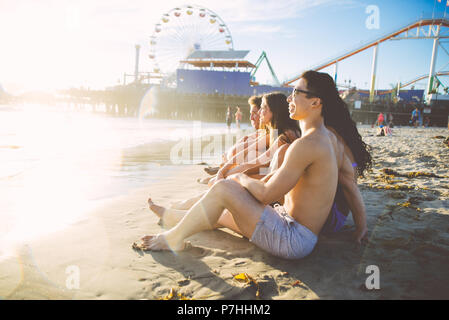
x,y
307,179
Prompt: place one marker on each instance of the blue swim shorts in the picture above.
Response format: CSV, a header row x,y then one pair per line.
x,y
279,234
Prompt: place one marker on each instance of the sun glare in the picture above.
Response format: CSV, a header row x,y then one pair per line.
x,y
70,157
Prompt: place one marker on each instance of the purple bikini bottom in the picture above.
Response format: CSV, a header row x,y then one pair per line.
x,y
335,222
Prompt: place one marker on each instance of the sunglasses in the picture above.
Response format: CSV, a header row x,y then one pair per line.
x,y
296,90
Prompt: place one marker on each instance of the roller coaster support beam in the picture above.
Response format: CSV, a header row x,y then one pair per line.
x,y
373,74
136,67
257,64
335,71
432,64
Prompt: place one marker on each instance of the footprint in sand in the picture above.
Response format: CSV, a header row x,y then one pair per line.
x,y
396,243
239,263
197,252
424,158
183,283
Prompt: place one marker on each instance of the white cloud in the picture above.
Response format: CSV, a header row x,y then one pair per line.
x,y
271,10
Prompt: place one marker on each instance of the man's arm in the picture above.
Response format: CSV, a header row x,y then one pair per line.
x,y
298,157
241,157
248,139
262,160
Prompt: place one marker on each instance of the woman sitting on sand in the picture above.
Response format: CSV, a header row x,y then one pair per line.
x,y
281,131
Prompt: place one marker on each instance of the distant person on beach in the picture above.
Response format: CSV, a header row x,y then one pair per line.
x,y
384,131
384,125
228,118
380,119
415,117
307,182
390,120
238,117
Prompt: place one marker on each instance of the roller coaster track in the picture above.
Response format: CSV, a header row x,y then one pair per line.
x,y
405,32
408,83
442,73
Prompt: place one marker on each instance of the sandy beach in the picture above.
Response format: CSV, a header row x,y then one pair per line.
x,y
408,222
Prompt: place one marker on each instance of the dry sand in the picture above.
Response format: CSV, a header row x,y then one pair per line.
x,y
408,242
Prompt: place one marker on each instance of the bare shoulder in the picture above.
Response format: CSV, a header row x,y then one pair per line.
x,y
311,144
334,136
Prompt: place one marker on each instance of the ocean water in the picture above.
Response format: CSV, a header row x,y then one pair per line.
x,y
58,164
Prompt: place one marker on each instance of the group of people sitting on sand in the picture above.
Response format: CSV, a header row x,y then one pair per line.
x,y
384,126
282,186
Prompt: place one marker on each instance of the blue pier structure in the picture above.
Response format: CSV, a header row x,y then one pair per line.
x,y
207,82
222,72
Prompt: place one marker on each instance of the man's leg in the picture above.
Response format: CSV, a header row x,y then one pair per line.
x,y
204,215
170,217
186,204
227,221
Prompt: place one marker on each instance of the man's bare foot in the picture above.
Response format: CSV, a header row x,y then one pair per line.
x,y
168,217
159,243
158,210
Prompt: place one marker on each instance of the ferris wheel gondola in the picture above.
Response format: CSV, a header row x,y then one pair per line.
x,y
183,30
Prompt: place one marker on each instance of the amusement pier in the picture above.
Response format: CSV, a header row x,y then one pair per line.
x,y
199,78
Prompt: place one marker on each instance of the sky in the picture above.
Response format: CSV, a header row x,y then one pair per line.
x,y
58,44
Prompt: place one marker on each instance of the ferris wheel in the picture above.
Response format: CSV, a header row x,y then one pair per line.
x,y
183,30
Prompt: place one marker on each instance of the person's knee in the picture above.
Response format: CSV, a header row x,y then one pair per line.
x,y
223,185
225,189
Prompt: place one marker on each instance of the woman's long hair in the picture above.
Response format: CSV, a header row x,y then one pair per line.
x,y
277,102
336,115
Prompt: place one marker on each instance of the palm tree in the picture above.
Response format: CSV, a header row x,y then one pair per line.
x,y
394,92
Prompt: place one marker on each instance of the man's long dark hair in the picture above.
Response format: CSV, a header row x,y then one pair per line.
x,y
277,102
336,115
